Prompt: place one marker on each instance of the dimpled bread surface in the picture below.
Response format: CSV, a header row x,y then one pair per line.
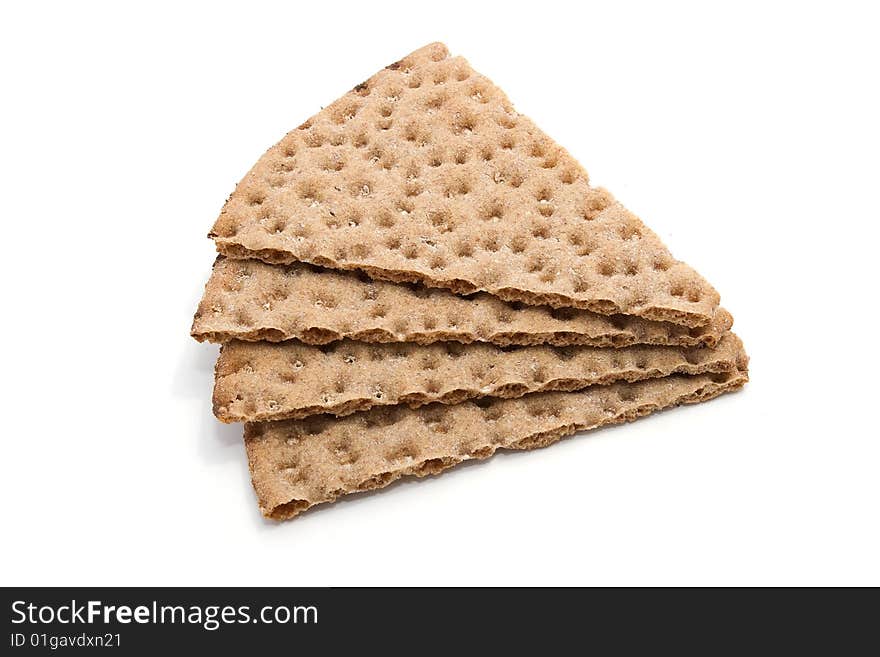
x,y
251,300
296,464
257,381
425,173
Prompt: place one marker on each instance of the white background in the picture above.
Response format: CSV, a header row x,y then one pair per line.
x,y
747,138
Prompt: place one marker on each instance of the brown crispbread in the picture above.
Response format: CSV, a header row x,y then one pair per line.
x,y
251,300
296,464
258,381
425,173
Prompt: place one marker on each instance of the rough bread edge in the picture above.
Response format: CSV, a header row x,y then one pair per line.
x,y
214,321
293,507
437,52
557,300
729,356
321,335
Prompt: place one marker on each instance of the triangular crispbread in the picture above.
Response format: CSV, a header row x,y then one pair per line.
x,y
296,464
250,300
425,173
261,381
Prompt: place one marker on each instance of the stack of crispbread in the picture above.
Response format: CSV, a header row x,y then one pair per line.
x,y
418,276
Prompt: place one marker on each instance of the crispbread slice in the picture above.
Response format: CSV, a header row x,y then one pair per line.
x,y
258,381
251,300
296,464
425,173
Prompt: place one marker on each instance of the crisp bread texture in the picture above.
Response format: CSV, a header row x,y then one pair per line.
x,y
296,464
251,300
257,381
425,173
